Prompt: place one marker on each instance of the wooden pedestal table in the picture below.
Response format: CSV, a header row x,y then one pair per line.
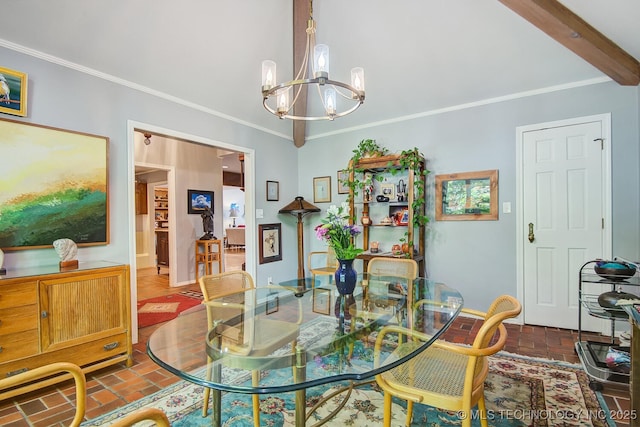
x,y
206,255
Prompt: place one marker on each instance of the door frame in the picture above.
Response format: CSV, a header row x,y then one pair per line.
x,y
605,120
249,186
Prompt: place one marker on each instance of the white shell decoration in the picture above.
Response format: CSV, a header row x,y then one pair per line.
x,y
66,249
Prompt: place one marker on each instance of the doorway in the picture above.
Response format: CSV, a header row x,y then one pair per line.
x,y
563,196
179,263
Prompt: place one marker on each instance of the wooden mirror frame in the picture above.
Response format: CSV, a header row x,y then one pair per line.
x,y
442,182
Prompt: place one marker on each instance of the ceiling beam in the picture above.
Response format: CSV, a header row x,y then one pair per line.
x,y
574,33
301,13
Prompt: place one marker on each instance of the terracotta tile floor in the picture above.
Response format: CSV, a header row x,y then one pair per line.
x,y
116,386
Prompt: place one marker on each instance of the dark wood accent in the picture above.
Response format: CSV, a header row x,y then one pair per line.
x,y
301,13
142,205
574,33
162,249
232,179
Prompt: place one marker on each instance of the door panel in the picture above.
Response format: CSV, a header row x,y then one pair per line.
x,y
562,197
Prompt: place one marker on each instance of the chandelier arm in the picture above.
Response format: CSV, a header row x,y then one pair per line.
x,y
358,100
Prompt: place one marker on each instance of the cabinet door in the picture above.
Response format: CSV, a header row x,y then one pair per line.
x,y
82,308
162,248
18,320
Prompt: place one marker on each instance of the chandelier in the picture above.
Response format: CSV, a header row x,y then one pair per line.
x,y
279,99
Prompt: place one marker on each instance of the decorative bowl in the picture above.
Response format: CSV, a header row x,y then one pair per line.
x,y
614,270
608,301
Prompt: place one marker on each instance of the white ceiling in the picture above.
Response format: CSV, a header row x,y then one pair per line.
x,y
419,56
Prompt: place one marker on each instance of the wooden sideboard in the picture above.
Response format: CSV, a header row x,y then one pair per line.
x,y
81,316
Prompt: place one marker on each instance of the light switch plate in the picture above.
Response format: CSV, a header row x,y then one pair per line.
x,y
506,207
259,213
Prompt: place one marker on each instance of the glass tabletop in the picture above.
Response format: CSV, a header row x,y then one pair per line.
x,y
299,338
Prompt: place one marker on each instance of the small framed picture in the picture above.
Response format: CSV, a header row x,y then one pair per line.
x,y
404,218
321,301
199,200
388,190
273,191
270,242
343,179
322,189
273,303
13,92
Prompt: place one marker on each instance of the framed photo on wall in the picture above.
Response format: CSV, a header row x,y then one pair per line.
x,y
322,189
343,178
13,92
270,242
467,196
199,200
54,186
273,191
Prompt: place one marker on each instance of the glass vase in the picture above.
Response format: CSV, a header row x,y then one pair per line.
x,y
346,277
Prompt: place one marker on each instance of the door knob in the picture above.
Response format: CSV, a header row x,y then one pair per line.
x,y
532,237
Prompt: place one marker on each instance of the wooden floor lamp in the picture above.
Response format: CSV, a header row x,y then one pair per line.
x,y
300,207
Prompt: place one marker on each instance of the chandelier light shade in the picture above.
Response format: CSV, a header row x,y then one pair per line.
x,y
337,98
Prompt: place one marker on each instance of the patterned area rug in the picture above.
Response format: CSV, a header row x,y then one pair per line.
x,y
160,309
519,391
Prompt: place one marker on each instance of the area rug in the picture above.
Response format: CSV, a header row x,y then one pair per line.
x,y
160,309
519,391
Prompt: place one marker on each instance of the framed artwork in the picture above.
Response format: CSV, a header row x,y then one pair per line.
x,y
388,190
343,178
199,200
273,191
468,196
321,301
322,189
13,92
54,185
270,242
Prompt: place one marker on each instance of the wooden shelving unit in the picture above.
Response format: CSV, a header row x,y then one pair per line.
x,y
389,234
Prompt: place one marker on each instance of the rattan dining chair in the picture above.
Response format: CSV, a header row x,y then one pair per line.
x,y
398,267
155,415
404,268
445,375
37,378
322,263
259,338
44,373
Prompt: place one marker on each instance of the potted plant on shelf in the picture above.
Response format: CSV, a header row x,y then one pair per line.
x,y
339,234
410,159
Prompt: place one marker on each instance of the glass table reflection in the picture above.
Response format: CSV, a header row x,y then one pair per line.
x,y
215,353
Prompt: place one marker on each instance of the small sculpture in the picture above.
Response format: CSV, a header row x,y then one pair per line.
x,y
67,250
2,269
368,187
207,224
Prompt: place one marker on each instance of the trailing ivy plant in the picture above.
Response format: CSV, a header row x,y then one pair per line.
x,y
366,148
408,160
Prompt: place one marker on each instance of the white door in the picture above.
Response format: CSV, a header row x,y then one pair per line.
x,y
563,218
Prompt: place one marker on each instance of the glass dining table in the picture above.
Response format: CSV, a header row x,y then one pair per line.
x,y
298,337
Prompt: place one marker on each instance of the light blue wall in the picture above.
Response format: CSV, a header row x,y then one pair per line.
x,y
479,257
64,98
